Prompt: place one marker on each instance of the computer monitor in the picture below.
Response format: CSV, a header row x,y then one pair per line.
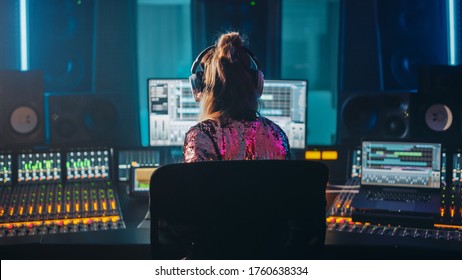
x,y
409,164
172,109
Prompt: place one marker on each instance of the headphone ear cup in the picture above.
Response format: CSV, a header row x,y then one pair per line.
x,y
197,85
260,82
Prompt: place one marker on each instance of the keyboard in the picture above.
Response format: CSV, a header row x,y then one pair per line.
x,y
398,196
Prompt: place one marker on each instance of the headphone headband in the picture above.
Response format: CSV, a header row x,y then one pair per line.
x,y
197,62
255,64
197,73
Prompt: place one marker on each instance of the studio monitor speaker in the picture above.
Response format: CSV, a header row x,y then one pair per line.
x,y
21,108
373,115
93,119
436,113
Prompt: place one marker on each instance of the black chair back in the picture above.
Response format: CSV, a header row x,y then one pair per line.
x,y
262,209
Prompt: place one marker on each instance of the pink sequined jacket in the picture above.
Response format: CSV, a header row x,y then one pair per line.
x,y
228,139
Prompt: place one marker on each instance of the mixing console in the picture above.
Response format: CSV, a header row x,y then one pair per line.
x,y
57,192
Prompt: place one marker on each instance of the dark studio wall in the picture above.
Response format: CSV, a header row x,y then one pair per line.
x,y
260,22
88,55
85,52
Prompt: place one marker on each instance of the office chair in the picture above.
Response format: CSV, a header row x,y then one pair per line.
x,y
262,209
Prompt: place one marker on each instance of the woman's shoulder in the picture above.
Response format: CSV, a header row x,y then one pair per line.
x,y
204,126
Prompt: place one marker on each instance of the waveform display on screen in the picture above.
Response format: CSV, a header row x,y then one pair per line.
x,y
172,109
401,164
87,164
6,176
39,167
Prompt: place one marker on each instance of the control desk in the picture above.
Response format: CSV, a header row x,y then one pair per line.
x,y
77,204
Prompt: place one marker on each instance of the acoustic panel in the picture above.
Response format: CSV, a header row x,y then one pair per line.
x,y
260,22
383,43
61,43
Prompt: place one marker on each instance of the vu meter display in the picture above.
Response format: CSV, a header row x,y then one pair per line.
x,y
87,164
5,169
39,167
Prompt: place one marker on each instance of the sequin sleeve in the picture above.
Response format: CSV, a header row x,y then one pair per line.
x,y
198,146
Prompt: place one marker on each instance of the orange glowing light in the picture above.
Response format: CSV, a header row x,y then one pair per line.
x,y
312,155
329,155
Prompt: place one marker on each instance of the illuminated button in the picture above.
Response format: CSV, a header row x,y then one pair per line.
x,y
329,155
313,155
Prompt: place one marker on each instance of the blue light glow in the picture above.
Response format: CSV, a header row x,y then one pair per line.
x,y
24,35
452,32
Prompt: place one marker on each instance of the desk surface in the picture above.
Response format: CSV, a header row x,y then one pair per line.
x,y
134,243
